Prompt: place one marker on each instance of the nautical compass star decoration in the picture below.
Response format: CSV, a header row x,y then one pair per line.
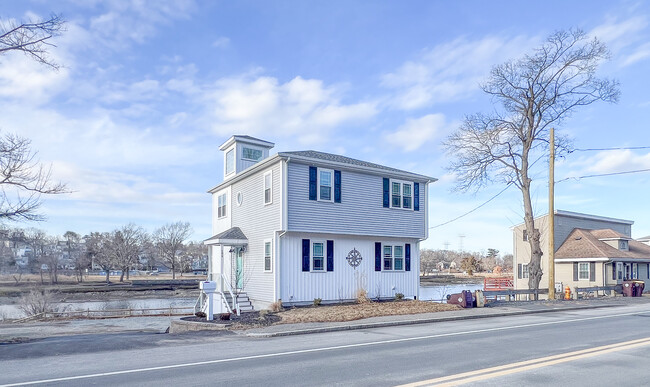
x,y
354,258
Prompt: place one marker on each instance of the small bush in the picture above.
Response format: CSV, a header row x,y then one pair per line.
x,y
399,296
200,314
37,302
317,301
263,313
276,306
362,296
224,316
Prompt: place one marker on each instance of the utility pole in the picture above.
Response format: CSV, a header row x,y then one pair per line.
x,y
551,219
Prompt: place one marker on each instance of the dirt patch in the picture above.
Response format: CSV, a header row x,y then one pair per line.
x,y
334,313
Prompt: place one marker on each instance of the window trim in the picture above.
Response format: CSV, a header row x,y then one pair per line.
x,y
392,258
243,154
270,256
401,183
619,271
234,161
580,271
318,185
225,206
270,188
324,256
524,271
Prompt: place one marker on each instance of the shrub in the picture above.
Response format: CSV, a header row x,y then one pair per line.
x,y
399,296
37,302
317,301
276,306
362,296
263,313
224,316
200,314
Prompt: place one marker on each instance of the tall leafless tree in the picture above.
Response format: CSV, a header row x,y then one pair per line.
x,y
128,243
100,251
169,240
531,95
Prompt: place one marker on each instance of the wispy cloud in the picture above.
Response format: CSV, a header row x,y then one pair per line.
x,y
416,132
450,71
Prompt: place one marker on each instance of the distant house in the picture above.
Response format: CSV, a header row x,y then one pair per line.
x,y
645,240
590,250
302,225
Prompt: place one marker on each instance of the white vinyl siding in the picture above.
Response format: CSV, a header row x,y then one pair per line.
x,y
344,282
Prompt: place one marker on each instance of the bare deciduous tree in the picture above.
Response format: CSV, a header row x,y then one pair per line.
x,y
31,38
169,241
534,93
98,247
127,244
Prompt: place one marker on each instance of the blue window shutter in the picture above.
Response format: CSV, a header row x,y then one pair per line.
x,y
337,186
305,255
377,256
330,255
386,193
416,196
407,256
313,181
614,271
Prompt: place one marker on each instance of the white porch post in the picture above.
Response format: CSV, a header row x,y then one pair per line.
x,y
221,270
209,263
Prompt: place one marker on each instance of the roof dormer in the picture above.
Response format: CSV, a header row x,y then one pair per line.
x,y
622,244
241,152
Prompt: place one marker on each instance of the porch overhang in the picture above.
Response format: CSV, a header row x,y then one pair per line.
x,y
231,237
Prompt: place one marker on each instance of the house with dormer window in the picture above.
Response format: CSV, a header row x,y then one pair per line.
x,y
590,250
297,226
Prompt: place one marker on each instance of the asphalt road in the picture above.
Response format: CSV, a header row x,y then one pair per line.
x,y
589,347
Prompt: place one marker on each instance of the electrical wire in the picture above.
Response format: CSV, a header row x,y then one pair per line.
x,y
602,174
608,149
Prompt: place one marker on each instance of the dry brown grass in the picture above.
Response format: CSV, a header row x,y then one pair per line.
x,y
333,313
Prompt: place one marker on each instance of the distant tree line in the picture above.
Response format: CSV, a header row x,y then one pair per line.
x,y
124,249
447,261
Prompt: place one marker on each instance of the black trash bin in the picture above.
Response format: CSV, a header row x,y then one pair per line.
x,y
638,288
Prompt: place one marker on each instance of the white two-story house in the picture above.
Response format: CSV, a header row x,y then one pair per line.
x,y
297,226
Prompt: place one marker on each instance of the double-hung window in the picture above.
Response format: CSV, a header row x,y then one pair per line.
x,y
401,194
268,254
325,183
268,187
388,257
222,205
318,256
393,257
230,161
524,271
583,270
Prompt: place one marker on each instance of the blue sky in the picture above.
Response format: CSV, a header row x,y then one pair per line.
x,y
150,89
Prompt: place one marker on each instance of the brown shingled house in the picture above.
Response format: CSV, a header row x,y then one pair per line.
x,y
601,258
590,250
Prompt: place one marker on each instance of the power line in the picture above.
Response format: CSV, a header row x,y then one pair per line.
x,y
608,149
474,209
603,174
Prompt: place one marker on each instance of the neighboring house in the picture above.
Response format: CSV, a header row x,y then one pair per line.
x,y
645,240
297,226
590,250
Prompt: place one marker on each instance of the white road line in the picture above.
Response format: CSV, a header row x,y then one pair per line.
x,y
302,351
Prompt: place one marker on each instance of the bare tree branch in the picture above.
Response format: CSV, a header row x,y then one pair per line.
x,y
32,38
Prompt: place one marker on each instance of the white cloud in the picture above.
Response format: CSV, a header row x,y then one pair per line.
x,y
617,34
221,42
304,108
617,161
416,132
642,52
450,71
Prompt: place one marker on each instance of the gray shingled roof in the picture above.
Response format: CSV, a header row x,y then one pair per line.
x,y
582,243
231,233
345,160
